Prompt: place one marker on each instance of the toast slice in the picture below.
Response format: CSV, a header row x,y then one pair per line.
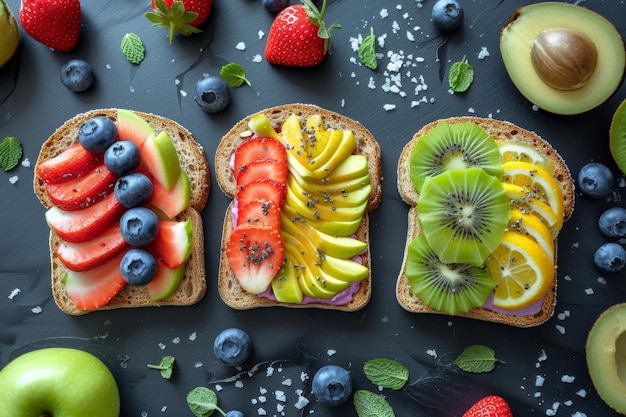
x,y
500,131
230,290
193,161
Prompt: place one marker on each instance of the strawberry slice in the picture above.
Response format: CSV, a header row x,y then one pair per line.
x,y
69,164
263,168
86,255
86,224
95,288
83,191
258,148
262,189
174,243
255,255
260,212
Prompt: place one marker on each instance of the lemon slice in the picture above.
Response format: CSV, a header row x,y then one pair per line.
x,y
522,270
530,226
528,203
513,151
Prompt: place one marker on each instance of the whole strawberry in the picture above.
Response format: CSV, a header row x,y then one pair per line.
x,y
182,16
491,406
54,23
298,36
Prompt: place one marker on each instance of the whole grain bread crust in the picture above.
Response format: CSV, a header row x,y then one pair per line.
x,y
192,160
501,131
230,290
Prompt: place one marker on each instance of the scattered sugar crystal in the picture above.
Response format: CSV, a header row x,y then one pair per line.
x,y
262,399
280,408
602,280
384,13
218,387
371,84
389,107
261,34
254,401
13,179
432,352
36,310
589,291
535,107
26,163
567,278
261,411
144,414
164,408
581,393
280,396
176,340
579,414
410,36
270,371
287,382
539,380
560,328
193,336
257,58
239,384
304,376
263,390
162,346
542,356
568,403
301,403
567,379
331,352
197,364
241,46
537,394
343,102
132,89
108,66
176,81
14,293
471,110
183,93
483,53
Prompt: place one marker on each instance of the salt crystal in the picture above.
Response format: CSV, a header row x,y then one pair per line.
x,y
257,58
331,352
389,107
26,163
535,107
108,66
568,403
262,399
241,46
254,401
568,379
301,403
287,382
280,396
280,408
14,293
176,340
36,310
483,53
432,352
560,328
197,365
581,393
176,81
539,380
270,371
589,291
304,376
410,36
218,387
384,13
239,384
262,412
579,414
13,179
471,110
263,390
261,34
164,408
542,356
537,394
602,280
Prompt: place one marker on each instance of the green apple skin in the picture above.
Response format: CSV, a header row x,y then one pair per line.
x,y
58,382
159,155
9,33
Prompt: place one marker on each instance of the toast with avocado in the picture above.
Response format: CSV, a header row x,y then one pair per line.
x,y
488,199
77,190
304,243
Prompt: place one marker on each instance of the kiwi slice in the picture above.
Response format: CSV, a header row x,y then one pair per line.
x,y
463,213
453,146
617,136
454,288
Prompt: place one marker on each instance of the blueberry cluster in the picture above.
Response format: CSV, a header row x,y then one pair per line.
x,y
138,225
595,180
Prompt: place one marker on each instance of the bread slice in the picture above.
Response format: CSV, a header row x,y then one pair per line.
x,y
192,160
501,131
228,285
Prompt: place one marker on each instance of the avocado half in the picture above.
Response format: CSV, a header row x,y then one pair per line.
x,y
528,22
606,356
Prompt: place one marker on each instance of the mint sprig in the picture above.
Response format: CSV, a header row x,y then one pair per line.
x,y
10,153
367,51
234,75
477,359
460,76
386,373
368,404
132,48
202,402
166,366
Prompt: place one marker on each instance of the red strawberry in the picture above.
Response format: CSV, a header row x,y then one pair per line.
x,y
95,288
54,23
298,36
491,406
263,168
262,189
83,191
182,16
260,211
255,254
87,255
258,148
71,163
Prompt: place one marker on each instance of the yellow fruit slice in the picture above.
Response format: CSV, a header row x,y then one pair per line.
x,y
530,226
522,270
513,151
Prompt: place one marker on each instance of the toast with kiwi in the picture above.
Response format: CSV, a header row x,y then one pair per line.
x,y
193,162
368,151
446,219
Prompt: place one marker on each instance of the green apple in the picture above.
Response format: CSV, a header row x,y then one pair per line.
x,y
262,127
159,155
165,283
285,284
59,382
9,33
131,126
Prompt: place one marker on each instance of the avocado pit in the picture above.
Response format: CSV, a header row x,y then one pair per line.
x,y
564,58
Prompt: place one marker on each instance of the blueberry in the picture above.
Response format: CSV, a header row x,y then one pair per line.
x,y
610,257
212,94
234,413
139,226
122,157
332,385
133,190
595,180
612,222
97,134
138,267
447,15
232,346
275,6
77,75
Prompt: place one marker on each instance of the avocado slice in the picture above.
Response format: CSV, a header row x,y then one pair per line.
x,y
606,356
528,26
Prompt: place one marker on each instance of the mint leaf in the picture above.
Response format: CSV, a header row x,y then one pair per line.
x,y
166,366
368,404
477,359
386,373
132,48
10,153
460,76
367,51
234,75
202,402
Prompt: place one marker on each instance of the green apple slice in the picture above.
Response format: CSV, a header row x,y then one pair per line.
x,y
159,155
